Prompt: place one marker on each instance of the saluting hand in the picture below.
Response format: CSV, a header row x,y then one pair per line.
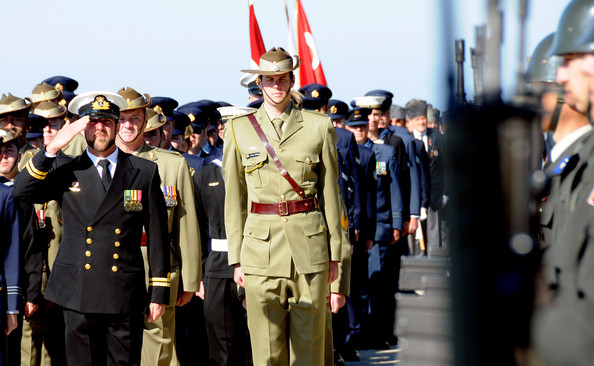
x,y
66,134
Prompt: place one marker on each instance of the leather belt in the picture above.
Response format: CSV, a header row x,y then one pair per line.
x,y
285,208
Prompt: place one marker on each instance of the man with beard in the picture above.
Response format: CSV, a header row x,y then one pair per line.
x,y
176,182
107,197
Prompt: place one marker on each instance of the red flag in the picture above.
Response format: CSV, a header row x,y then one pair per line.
x,y
256,41
311,68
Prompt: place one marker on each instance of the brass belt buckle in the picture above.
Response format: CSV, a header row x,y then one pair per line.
x,y
283,208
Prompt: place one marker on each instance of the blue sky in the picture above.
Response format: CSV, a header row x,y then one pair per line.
x,y
192,50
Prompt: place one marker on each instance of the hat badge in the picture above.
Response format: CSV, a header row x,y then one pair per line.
x,y
62,102
333,109
192,117
59,87
315,93
100,103
129,103
357,113
275,66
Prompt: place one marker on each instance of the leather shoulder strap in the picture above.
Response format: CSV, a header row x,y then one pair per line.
x,y
296,187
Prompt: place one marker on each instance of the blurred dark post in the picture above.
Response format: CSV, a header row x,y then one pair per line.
x,y
459,51
477,58
491,154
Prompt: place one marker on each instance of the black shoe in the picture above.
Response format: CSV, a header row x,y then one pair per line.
x,y
338,360
392,340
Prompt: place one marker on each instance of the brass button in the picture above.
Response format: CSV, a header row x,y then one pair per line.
x,y
283,197
285,220
89,240
118,231
89,228
117,244
114,268
308,160
116,256
322,228
253,162
87,266
280,150
250,233
88,253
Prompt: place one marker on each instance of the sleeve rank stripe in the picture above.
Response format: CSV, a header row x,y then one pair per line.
x,y
159,279
160,284
34,172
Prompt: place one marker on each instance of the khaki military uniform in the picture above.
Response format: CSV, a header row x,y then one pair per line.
x,y
27,152
158,346
75,147
284,258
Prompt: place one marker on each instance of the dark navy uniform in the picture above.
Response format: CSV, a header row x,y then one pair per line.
x,y
348,179
99,268
225,316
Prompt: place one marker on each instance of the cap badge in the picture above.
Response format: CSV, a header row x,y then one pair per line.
x,y
192,118
357,114
100,103
129,103
333,109
315,93
62,102
275,66
59,87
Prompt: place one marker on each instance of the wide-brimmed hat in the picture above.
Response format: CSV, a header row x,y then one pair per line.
x,y
6,136
155,118
276,61
98,104
45,91
9,104
134,99
49,109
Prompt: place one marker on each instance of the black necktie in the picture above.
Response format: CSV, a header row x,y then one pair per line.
x,y
106,175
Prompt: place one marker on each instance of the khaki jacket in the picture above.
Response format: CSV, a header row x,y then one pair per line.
x,y
182,221
269,244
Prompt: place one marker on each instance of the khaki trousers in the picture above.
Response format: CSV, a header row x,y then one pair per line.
x,y
287,318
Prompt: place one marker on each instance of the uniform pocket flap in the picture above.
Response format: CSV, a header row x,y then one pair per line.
x,y
307,157
313,224
254,158
257,229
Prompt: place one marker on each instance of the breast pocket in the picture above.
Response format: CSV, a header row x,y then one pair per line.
x,y
257,176
305,165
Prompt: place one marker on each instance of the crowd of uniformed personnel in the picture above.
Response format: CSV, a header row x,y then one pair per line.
x,y
56,279
389,165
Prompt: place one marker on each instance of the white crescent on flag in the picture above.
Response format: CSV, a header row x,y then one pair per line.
x,y
315,60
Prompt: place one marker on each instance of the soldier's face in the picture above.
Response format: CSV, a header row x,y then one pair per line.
x,y
570,75
100,135
9,157
166,130
385,119
339,122
49,132
360,133
16,122
153,138
374,119
131,125
420,123
221,130
177,142
588,72
276,88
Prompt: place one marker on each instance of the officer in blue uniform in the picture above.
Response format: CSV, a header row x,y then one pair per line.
x,y
384,259
202,115
316,97
167,106
10,289
181,125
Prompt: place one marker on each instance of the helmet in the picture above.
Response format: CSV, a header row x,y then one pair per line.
x,y
542,67
575,21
